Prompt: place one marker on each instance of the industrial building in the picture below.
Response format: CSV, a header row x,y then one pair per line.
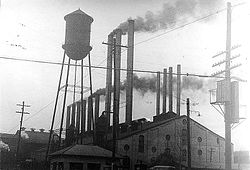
x,y
140,142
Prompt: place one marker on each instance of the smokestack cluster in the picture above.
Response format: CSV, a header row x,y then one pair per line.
x,y
171,13
115,38
168,82
76,118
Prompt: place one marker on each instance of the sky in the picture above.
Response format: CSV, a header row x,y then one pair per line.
x,y
35,30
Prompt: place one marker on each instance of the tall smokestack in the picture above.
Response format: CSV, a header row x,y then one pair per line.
x,y
164,91
178,103
73,116
90,114
170,89
130,63
109,78
117,65
78,111
158,93
68,117
97,105
83,116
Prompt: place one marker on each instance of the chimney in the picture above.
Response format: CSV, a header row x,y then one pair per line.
x,y
170,89
97,105
178,103
83,116
73,115
158,93
130,63
164,91
68,117
41,130
90,114
109,78
78,112
117,65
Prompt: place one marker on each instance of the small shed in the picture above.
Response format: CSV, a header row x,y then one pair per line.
x,y
82,157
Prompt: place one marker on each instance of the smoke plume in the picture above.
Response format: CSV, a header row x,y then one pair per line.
x,y
171,13
146,84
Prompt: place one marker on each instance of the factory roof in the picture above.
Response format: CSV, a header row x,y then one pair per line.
x,y
85,151
163,121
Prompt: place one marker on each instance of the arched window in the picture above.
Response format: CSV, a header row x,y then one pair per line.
x,y
141,144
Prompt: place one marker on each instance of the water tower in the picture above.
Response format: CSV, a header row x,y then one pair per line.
x,y
77,48
77,36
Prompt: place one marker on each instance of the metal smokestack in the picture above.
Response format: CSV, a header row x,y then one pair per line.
x,y
130,63
68,117
117,65
78,111
164,91
97,106
158,93
178,103
73,116
170,89
90,114
83,117
109,78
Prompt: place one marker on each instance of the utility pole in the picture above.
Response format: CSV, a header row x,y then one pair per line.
x,y
227,116
224,88
21,124
188,135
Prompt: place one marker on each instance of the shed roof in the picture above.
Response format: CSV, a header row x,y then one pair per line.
x,y
86,151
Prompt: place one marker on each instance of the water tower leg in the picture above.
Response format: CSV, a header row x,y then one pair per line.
x,y
64,102
54,112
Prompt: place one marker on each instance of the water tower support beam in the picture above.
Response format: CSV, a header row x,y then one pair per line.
x,y
54,112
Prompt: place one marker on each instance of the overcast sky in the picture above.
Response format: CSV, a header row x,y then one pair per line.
x,y
34,29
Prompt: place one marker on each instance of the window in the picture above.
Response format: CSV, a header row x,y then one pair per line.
x,y
167,137
184,154
199,139
153,149
126,147
199,152
218,140
141,144
184,121
184,136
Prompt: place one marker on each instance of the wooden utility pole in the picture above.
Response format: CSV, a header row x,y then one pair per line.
x,y
21,124
188,135
227,116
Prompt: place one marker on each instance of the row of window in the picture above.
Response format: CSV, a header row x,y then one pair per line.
x,y
184,141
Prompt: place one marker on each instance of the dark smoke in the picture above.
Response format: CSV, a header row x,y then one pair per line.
x,y
148,84
192,83
171,13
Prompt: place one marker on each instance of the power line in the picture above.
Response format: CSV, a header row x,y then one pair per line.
x,y
102,67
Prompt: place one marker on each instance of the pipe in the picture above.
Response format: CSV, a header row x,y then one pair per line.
x,y
83,116
170,88
73,115
117,71
130,63
109,79
90,114
78,111
158,93
178,103
164,91
97,106
68,117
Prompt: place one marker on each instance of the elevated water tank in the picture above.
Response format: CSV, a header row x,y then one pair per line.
x,y
77,38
